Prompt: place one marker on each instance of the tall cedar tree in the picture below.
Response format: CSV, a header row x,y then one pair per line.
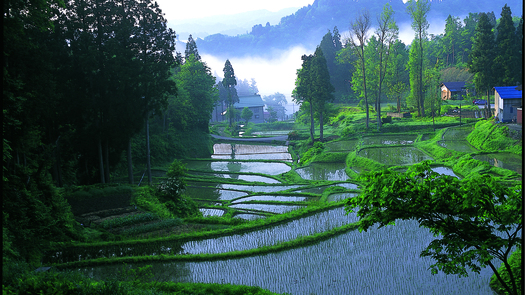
x,y
229,82
482,56
302,92
321,88
418,11
507,56
191,48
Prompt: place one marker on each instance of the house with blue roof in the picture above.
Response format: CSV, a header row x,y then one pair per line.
x,y
507,100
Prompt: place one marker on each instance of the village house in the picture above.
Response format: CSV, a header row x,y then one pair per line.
x,y
253,103
507,100
452,90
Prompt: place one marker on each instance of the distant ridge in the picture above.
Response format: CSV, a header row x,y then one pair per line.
x,y
308,24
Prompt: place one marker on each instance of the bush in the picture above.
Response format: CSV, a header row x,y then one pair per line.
x,y
387,119
146,199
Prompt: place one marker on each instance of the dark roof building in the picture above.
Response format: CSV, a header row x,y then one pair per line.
x,y
452,90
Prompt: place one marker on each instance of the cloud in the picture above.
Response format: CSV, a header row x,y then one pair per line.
x,y
274,74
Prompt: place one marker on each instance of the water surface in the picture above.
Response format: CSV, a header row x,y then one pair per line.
x,y
395,156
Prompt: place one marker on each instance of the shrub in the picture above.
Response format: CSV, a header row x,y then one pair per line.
x,y
146,199
387,119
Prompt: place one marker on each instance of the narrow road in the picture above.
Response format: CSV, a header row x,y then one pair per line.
x,y
254,139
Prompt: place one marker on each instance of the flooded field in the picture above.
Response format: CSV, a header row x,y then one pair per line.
x,y
389,139
324,171
395,156
379,261
458,145
503,160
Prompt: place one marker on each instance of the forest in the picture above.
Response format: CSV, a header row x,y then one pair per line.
x,y
308,25
95,96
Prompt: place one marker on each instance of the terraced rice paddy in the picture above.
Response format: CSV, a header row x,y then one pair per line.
x,y
395,156
379,261
324,171
389,139
503,160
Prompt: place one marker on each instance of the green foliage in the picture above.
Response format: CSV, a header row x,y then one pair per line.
x,y
150,227
170,192
474,220
312,152
145,198
489,136
128,220
515,262
246,114
210,289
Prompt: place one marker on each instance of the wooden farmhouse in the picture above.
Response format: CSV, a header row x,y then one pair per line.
x,y
452,90
253,103
507,100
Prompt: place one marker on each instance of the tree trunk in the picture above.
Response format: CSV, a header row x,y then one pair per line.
x,y
101,163
311,123
57,164
130,165
148,166
321,126
106,162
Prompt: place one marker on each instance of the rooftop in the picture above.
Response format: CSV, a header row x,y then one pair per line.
x,y
249,101
508,92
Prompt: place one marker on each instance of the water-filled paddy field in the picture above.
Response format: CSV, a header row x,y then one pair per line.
x,y
379,261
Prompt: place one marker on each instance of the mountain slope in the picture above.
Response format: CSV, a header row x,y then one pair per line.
x,y
307,25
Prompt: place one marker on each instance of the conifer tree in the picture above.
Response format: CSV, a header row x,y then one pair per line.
x,y
506,51
482,57
229,82
191,48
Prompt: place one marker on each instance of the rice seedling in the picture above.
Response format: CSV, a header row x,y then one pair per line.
x,y
128,220
153,226
379,261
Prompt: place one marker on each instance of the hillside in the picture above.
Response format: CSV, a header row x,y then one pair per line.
x,y
308,25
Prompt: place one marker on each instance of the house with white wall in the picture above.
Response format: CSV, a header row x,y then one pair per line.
x,y
507,100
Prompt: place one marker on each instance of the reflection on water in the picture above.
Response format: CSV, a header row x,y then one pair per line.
x,y
378,261
395,156
341,146
241,167
324,171
458,145
270,208
389,139
508,161
251,152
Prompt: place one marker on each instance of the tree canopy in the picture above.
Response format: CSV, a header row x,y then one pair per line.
x,y
474,220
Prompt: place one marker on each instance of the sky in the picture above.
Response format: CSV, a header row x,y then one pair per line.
x,y
203,8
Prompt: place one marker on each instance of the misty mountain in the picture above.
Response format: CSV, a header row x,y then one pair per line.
x,y
307,25
232,25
